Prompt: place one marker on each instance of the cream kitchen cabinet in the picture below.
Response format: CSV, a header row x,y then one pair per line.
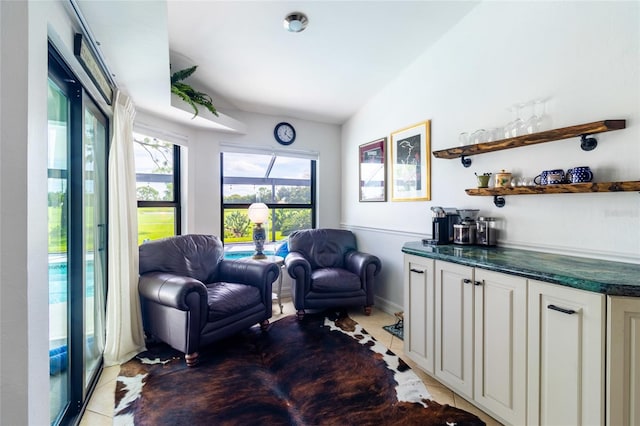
x,y
623,361
566,355
480,337
419,316
500,365
527,351
454,326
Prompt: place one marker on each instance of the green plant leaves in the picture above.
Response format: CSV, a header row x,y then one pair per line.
x,y
189,94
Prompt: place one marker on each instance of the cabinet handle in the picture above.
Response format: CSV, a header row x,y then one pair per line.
x,y
478,282
466,281
559,309
417,271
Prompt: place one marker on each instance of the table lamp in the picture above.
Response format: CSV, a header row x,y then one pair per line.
x,y
258,214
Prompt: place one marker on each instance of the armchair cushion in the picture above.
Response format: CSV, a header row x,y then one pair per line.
x,y
334,280
225,299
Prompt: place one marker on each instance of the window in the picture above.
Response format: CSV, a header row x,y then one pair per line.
x,y
157,187
285,184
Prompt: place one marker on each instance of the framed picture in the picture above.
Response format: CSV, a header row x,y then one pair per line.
x,y
411,163
372,159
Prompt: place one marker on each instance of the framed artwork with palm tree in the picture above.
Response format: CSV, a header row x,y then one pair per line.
x,y
411,163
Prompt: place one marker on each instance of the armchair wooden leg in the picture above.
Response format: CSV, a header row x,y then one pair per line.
x,y
191,359
367,310
264,325
300,314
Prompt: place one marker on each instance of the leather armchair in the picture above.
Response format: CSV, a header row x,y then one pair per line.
x,y
329,271
191,296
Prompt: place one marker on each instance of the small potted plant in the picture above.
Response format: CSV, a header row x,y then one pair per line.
x,y
483,180
188,93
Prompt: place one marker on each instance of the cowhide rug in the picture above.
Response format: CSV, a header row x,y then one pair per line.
x,y
320,371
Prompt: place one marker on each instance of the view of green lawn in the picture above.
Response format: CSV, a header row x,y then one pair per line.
x,y
57,236
155,223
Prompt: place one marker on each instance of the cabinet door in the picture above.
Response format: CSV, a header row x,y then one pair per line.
x,y
419,311
500,368
623,365
566,355
454,326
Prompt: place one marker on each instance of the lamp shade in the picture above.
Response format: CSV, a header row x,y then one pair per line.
x,y
258,212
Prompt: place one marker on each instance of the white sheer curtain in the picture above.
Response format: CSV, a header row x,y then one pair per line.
x,y
125,337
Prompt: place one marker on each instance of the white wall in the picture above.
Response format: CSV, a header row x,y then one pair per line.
x,y
13,218
23,248
585,56
202,198
24,304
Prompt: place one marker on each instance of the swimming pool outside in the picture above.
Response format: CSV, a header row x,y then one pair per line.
x,y
58,270
242,254
58,280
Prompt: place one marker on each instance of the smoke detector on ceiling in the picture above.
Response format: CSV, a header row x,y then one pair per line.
x,y
295,22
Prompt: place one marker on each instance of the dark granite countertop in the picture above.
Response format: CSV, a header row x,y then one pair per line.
x,y
602,276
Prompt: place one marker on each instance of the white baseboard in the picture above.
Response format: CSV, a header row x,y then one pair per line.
x,y
387,306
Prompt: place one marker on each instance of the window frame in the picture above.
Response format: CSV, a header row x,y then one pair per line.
x,y
312,205
177,188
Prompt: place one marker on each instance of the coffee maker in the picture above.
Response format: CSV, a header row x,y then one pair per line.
x,y
444,218
465,231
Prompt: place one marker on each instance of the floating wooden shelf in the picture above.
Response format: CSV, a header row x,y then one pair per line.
x,y
563,188
581,130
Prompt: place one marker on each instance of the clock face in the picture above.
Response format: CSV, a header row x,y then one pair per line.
x,y
284,133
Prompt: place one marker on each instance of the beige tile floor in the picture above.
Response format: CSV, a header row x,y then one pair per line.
x,y
99,411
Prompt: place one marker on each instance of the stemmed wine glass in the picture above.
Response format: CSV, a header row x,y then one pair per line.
x,y
543,121
516,126
531,124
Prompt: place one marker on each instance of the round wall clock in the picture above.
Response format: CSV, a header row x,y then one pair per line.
x,y
284,133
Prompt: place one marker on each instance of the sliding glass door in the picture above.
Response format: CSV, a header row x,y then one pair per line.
x,y
77,165
95,239
58,218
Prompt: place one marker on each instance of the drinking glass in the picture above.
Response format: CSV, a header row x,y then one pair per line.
x,y
543,119
478,136
516,125
531,123
498,133
463,139
493,134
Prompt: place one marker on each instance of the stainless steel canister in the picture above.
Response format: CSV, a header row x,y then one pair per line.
x,y
486,232
464,233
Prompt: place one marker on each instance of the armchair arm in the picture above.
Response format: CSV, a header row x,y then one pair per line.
x,y
164,292
253,273
250,272
358,263
172,290
297,266
366,266
299,269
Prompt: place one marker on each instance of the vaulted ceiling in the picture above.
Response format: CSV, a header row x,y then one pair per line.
x,y
247,61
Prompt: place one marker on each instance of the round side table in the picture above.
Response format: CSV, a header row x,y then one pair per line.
x,y
278,260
